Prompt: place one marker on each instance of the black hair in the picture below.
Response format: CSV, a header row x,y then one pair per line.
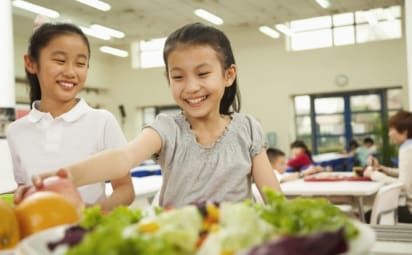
x,y
40,39
368,140
402,121
200,34
302,144
353,144
274,153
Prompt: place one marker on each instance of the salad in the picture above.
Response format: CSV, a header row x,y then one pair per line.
x,y
293,226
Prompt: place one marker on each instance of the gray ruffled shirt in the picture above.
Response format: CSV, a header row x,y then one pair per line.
x,y
196,173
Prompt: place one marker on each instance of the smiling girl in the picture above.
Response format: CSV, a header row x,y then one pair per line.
x,y
62,129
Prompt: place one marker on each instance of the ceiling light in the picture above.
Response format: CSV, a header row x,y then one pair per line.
x,y
284,29
36,9
100,5
323,3
114,51
208,16
95,33
269,31
110,31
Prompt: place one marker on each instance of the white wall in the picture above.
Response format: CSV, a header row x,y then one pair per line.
x,y
268,77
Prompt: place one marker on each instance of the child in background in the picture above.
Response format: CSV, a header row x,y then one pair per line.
x,y
209,151
62,129
277,159
301,157
400,133
370,146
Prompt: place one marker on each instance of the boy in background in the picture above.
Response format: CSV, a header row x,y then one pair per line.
x,y
277,159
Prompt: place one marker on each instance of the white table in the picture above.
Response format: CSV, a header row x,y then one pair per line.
x,y
145,188
354,189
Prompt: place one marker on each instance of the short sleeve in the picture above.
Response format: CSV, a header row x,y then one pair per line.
x,y
257,136
167,129
113,134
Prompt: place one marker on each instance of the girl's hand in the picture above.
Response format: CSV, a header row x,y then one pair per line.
x,y
38,179
373,162
19,193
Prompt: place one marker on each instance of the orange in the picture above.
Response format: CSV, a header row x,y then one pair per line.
x,y
9,228
44,209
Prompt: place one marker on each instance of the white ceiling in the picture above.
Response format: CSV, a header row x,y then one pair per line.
x,y
145,19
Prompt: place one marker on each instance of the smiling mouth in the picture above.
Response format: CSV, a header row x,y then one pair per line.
x,y
66,85
195,100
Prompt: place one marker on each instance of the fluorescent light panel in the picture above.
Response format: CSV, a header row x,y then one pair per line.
x,y
269,31
323,3
100,5
94,33
284,29
112,32
209,16
114,51
36,8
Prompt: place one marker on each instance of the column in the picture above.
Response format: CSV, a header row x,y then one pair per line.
x,y
7,83
408,42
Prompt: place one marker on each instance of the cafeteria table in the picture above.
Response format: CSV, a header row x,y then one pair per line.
x,y
145,189
356,190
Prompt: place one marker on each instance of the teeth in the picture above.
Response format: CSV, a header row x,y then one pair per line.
x,y
196,100
67,84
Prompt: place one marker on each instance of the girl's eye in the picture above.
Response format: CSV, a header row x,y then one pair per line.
x,y
177,77
81,64
60,61
204,74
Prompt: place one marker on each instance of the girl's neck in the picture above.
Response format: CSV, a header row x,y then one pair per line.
x,y
208,131
56,108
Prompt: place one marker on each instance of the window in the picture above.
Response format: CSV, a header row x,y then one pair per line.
x,y
346,28
327,122
148,54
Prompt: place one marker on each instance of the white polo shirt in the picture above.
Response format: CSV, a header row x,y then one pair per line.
x,y
40,143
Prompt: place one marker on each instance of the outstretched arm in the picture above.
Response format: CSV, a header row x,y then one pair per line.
x,y
263,174
111,164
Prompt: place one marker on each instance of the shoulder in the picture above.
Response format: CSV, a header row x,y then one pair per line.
x,y
100,114
19,125
246,122
169,121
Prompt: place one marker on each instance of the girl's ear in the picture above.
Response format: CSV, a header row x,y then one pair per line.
x,y
230,75
29,64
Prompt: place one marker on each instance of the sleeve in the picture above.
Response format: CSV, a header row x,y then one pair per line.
x,y
257,136
113,136
20,175
394,172
381,177
167,129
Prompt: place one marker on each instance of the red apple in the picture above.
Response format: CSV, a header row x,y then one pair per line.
x,y
60,185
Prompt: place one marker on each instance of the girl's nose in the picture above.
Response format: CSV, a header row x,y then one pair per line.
x,y
69,71
192,84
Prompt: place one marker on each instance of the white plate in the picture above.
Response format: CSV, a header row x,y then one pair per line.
x,y
37,244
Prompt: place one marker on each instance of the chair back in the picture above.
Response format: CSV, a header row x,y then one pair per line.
x,y
256,195
385,206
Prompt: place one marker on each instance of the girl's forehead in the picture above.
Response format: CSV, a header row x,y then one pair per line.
x,y
191,55
68,43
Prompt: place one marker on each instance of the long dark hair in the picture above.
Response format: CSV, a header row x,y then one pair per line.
x,y
302,144
200,34
40,39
